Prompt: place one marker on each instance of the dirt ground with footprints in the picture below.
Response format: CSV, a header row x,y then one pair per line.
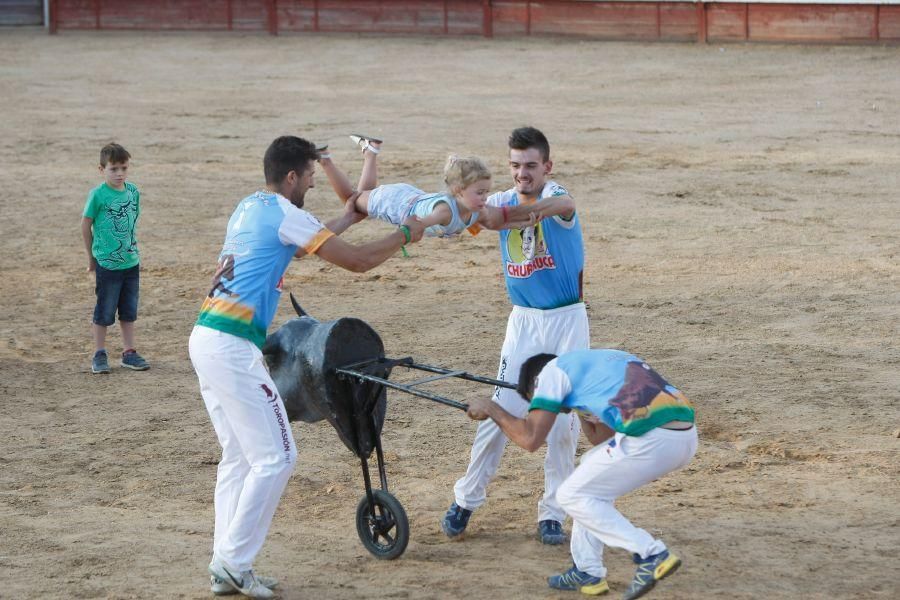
x,y
741,221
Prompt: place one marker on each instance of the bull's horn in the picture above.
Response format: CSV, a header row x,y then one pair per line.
x,y
297,307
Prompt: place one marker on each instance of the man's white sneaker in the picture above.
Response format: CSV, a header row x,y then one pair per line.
x,y
220,588
244,582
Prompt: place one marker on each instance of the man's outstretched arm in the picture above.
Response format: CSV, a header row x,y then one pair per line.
x,y
361,258
553,206
529,433
524,215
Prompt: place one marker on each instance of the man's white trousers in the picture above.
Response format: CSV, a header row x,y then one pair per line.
x,y
258,450
529,331
608,471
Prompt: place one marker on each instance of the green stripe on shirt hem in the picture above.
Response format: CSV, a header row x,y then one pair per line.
x,y
235,328
545,404
659,417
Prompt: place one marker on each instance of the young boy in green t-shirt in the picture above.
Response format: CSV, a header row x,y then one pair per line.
x,y
108,227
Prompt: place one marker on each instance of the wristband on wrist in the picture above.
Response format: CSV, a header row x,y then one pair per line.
x,y
406,234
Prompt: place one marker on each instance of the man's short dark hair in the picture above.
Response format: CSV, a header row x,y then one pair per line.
x,y
287,153
113,153
524,138
531,368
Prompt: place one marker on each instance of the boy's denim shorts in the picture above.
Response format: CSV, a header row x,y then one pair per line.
x,y
116,290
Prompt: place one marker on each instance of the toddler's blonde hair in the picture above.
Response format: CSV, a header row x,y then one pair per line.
x,y
460,173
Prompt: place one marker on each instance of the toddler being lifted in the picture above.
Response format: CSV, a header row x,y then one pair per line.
x,y
460,206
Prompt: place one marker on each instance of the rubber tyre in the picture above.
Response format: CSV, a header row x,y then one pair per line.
x,y
386,533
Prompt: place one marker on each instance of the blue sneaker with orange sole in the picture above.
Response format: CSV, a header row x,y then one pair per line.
x,y
649,571
576,580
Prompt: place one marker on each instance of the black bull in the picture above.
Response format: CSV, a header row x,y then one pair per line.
x,y
302,355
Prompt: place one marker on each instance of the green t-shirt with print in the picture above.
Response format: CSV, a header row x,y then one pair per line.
x,y
115,214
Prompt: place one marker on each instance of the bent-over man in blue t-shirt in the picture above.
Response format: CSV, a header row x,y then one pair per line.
x,y
642,428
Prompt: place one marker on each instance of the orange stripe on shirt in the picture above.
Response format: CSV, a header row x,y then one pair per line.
x,y
225,308
316,242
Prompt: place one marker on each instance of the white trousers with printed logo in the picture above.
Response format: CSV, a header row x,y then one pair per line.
x,y
608,471
529,331
258,450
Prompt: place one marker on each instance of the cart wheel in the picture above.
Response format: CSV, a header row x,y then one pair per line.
x,y
382,528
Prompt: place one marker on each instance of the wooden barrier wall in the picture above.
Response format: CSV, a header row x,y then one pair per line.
x,y
602,20
21,12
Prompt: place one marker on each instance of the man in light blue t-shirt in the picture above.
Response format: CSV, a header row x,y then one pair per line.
x,y
266,231
642,428
542,265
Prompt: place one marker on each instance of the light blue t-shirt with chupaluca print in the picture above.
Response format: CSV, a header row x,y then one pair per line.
x,y
616,387
114,214
264,233
542,264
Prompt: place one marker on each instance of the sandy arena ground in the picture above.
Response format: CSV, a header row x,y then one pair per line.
x,y
740,210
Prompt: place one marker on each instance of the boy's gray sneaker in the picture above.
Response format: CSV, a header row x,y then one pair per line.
x,y
134,361
244,582
220,588
100,362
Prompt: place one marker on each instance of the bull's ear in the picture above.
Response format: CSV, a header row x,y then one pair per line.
x,y
297,307
271,345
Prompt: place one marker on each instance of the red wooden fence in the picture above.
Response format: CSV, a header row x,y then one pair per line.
x,y
634,20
